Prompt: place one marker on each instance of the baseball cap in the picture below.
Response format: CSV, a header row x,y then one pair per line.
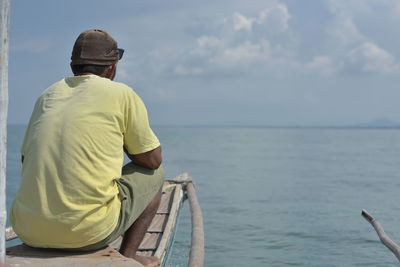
x,y
95,47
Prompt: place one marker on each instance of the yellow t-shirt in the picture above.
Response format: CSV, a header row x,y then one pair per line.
x,y
73,154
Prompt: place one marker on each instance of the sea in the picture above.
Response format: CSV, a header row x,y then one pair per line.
x,y
279,196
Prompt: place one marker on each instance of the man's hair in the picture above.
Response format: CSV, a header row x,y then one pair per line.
x,y
94,69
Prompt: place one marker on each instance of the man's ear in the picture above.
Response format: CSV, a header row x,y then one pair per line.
x,y
110,71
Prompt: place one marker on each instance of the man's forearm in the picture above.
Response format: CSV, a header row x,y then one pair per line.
x,y
149,165
150,160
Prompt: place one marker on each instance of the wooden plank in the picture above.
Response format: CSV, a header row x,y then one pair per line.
x,y
22,255
69,262
150,241
4,35
158,223
26,251
146,253
165,203
169,228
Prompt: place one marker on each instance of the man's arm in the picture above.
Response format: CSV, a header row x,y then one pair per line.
x,y
150,160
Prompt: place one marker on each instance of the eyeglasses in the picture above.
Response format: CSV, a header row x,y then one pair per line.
x,y
120,52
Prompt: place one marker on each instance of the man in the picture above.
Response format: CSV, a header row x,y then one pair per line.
x,y
74,193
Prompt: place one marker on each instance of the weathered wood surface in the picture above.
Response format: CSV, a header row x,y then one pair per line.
x,y
10,234
165,241
156,241
389,243
196,256
23,255
4,35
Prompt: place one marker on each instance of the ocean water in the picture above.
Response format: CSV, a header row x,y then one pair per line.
x,y
280,197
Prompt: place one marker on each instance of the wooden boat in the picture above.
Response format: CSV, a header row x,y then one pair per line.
x,y
157,241
159,237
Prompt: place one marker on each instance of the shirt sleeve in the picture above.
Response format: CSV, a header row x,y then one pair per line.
x,y
28,134
138,137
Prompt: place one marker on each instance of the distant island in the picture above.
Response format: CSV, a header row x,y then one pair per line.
x,y
378,123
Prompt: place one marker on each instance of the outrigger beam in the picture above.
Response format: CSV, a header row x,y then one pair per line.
x,y
196,255
389,243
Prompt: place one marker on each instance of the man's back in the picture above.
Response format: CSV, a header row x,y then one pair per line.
x,y
68,197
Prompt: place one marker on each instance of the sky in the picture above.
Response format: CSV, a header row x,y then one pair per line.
x,y
225,62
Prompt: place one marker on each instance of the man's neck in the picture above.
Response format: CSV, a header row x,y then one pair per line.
x,y
84,73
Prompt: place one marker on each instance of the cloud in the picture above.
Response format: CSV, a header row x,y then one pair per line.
x,y
241,22
358,52
275,17
321,64
268,40
346,32
368,57
254,44
364,7
245,44
208,41
278,14
244,54
347,8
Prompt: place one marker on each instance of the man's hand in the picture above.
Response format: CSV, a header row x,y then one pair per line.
x,y
150,160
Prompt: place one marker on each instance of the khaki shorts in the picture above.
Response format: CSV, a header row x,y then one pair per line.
x,y
137,188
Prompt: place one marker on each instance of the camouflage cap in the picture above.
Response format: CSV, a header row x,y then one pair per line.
x,y
95,47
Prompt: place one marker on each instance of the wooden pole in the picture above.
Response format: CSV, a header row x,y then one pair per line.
x,y
4,34
381,234
196,256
